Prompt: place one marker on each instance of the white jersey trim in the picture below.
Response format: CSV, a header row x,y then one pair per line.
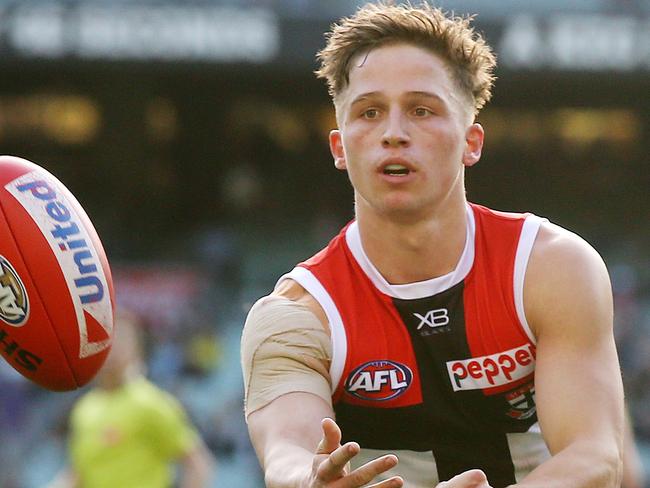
x,y
309,282
420,289
535,428
526,240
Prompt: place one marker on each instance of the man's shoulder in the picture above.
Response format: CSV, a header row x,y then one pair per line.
x,y
564,273
559,246
288,302
271,307
289,298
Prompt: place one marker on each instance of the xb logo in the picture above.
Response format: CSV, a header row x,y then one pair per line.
x,y
433,318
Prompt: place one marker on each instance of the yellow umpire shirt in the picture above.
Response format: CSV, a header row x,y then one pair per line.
x,y
128,437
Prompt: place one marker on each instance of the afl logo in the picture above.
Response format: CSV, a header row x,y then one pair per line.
x,y
379,380
14,304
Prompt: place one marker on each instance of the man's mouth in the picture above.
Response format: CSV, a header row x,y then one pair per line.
x,y
396,170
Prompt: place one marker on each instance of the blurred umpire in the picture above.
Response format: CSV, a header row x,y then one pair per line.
x,y
127,432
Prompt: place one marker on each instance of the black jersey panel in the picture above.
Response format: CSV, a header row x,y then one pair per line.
x,y
489,453
464,429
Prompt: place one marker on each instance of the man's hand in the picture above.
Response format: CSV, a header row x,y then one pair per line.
x,y
474,478
331,469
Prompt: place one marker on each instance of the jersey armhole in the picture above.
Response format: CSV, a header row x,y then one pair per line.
x,y
527,237
309,282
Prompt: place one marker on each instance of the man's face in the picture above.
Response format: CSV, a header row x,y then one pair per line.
x,y
405,132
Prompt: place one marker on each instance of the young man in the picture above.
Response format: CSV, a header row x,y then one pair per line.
x,y
474,346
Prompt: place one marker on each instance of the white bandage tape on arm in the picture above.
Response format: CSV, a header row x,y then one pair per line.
x,y
284,349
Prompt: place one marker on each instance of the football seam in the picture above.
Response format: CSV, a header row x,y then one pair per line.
x,y
39,294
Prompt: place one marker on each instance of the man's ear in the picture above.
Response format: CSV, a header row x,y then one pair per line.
x,y
336,148
474,137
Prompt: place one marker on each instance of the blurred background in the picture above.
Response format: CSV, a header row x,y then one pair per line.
x,y
194,135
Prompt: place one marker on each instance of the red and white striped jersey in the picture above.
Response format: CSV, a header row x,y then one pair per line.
x,y
439,371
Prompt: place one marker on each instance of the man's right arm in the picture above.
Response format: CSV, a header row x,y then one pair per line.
x,y
300,446
285,360
285,436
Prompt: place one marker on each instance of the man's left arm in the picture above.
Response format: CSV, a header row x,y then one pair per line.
x,y
578,387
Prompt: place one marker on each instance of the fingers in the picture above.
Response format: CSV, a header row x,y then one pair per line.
x,y
334,466
395,482
331,462
474,478
331,437
366,473
333,469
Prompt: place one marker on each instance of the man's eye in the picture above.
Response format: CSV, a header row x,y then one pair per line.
x,y
371,113
422,112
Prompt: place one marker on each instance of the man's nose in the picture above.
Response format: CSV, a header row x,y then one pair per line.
x,y
396,131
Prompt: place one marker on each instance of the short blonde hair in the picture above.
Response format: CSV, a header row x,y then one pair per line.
x,y
469,58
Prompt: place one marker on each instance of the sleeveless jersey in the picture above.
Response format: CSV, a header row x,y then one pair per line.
x,y
440,371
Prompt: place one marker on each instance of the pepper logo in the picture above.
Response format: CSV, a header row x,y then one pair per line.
x,y
14,303
379,380
494,370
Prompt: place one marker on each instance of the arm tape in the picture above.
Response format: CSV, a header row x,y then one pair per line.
x,y
284,349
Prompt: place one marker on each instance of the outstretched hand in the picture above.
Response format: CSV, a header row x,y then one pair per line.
x,y
474,478
330,467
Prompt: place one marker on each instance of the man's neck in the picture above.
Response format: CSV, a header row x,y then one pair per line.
x,y
418,250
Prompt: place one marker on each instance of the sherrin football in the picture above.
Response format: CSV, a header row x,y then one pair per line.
x,y
56,290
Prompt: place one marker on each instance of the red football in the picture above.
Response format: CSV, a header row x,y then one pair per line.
x,y
56,290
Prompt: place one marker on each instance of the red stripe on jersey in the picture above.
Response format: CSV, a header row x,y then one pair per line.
x,y
374,330
491,322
